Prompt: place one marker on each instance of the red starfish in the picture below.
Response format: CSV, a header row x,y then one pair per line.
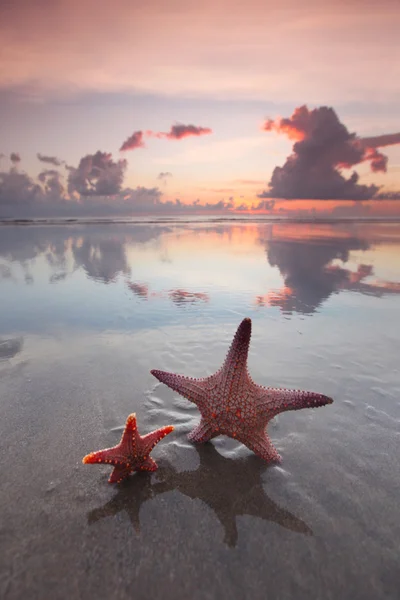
x,y
231,403
132,453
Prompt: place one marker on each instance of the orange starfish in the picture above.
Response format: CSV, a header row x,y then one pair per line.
x,y
132,453
231,403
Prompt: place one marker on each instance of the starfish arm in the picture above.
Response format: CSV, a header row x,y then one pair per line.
x,y
130,436
113,456
202,433
239,349
189,387
261,445
119,473
148,465
273,401
147,442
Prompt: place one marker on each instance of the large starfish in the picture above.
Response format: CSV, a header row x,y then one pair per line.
x,y
132,453
231,403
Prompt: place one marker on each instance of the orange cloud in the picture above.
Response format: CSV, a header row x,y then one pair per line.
x,y
296,127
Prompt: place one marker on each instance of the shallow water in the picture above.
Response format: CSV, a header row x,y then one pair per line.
x,y
88,310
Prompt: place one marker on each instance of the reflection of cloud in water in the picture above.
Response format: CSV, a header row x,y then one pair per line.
x,y
179,296
23,244
102,259
56,277
309,276
10,347
231,488
5,272
99,250
139,289
311,259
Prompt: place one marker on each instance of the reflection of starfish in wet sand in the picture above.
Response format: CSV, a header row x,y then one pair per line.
x,y
231,403
229,487
132,453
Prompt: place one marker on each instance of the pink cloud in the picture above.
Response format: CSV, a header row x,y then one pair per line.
x,y
180,131
133,142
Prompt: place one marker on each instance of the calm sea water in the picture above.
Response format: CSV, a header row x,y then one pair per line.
x,y
87,310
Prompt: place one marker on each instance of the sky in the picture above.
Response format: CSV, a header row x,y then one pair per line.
x,y
181,106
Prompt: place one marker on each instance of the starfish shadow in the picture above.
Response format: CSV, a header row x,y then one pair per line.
x,y
132,493
229,487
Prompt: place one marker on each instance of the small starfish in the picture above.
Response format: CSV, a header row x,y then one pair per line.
x,y
132,453
231,403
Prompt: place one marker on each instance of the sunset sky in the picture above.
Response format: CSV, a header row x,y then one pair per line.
x,y
193,93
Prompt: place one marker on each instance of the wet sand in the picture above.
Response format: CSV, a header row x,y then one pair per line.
x,y
213,521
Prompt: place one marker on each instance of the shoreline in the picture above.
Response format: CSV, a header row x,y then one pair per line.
x,y
161,220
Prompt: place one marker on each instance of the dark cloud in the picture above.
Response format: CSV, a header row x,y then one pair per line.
x,y
221,205
15,157
93,188
132,142
51,160
378,161
180,131
97,175
47,173
388,195
380,141
52,184
18,190
323,146
263,204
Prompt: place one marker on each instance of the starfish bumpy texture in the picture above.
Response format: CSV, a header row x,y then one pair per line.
x,y
132,453
231,403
